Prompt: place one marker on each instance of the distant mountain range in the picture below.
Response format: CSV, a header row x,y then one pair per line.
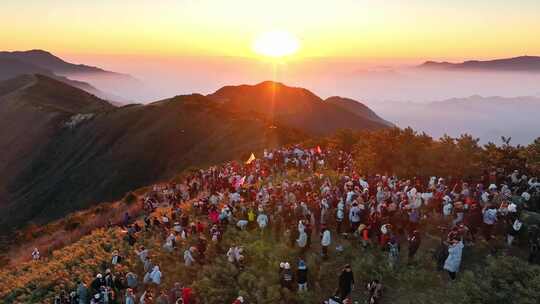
x,y
13,64
516,64
64,149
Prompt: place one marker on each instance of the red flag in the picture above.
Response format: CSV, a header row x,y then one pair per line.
x,y
319,149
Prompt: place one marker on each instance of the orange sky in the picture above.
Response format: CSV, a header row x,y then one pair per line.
x,y
368,29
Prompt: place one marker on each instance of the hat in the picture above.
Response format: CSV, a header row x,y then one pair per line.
x,y
241,299
287,266
302,265
282,265
96,296
492,187
99,276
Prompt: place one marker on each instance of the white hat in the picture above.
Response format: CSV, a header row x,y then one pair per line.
x,y
526,196
492,187
241,299
99,276
287,266
281,265
512,207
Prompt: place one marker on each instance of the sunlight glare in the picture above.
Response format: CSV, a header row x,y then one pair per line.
x,y
276,44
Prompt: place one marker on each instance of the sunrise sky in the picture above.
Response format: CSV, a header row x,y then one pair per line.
x,y
423,29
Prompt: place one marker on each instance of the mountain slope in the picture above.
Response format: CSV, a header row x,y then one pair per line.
x,y
56,169
516,64
357,108
32,110
11,67
294,107
50,62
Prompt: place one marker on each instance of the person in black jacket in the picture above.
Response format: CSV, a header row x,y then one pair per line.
x,y
97,283
414,243
346,282
301,276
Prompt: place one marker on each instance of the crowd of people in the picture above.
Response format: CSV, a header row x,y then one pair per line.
x,y
286,194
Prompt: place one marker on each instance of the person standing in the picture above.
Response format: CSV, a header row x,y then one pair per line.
x,y
326,240
301,276
355,216
346,282
453,261
302,242
340,215
393,252
414,243
82,293
35,254
489,218
286,276
188,256
130,296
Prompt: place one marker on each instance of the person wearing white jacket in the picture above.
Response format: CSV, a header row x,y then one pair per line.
x,y
326,240
302,242
155,275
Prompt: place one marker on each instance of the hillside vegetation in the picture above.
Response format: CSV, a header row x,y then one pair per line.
x,y
494,279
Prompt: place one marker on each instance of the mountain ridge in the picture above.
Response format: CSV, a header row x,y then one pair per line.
x,y
82,76
51,62
514,64
66,149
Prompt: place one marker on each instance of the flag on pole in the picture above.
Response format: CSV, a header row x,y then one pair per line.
x,y
319,149
240,182
251,159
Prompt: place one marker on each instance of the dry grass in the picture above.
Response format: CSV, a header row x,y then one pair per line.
x,y
68,230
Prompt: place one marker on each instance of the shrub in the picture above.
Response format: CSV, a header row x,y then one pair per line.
x,y
130,198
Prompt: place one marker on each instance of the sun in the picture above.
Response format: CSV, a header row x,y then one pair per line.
x,y
276,44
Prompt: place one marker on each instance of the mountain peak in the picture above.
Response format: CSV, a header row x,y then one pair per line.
x,y
295,107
